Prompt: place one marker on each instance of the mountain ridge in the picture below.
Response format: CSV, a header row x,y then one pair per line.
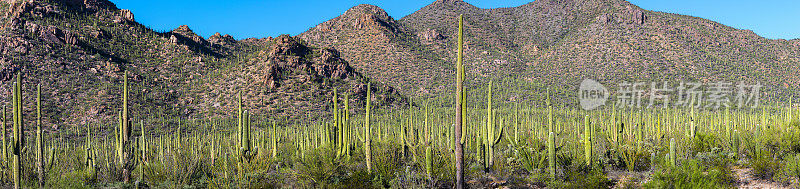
x,y
78,51
554,42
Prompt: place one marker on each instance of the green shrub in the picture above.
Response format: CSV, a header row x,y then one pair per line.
x,y
691,174
790,171
764,165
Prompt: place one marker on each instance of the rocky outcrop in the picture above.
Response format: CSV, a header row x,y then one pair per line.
x,y
221,40
186,35
429,35
286,55
125,16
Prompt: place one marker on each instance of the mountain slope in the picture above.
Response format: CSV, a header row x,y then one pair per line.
x,y
79,50
377,44
561,42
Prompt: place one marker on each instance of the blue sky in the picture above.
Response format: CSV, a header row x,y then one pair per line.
x,y
774,19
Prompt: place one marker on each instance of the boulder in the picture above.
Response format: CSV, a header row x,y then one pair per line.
x,y
51,34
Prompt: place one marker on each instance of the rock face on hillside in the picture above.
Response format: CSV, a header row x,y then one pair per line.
x,y
291,77
184,34
221,40
376,43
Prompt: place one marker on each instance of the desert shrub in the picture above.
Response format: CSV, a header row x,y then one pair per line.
x,y
581,176
790,171
764,164
691,174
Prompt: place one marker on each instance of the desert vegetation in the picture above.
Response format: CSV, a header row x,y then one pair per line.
x,y
94,99
428,143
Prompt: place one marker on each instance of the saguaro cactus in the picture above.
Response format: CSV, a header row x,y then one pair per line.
x,y
672,158
551,155
428,162
491,138
587,140
5,144
274,140
91,161
460,106
367,132
39,145
19,135
127,163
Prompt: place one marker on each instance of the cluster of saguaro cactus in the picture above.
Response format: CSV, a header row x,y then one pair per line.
x,y
489,134
246,151
40,159
90,161
274,140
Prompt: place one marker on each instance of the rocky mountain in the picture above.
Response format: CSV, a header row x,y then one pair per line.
x,y
557,43
78,50
379,45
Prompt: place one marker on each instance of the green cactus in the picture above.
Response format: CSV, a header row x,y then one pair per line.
x,y
5,143
428,162
39,139
587,140
125,131
460,106
274,140
19,135
692,127
549,113
672,157
367,131
789,111
551,155
90,161
491,138
346,128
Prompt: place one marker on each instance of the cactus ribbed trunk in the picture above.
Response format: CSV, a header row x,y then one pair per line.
x,y
126,132
672,158
5,143
274,140
39,141
367,131
461,104
551,155
587,140
19,134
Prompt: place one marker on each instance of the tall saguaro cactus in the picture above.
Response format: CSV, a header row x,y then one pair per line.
x,y
491,138
587,140
19,135
39,145
126,133
551,155
367,132
5,143
460,106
